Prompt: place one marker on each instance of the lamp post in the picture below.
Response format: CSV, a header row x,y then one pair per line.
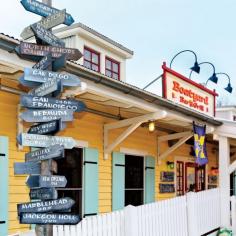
x,y
195,67
213,78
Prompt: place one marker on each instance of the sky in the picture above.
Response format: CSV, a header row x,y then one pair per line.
x,y
155,30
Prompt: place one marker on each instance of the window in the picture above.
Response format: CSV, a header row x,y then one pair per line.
x,y
180,178
71,167
112,68
91,59
134,184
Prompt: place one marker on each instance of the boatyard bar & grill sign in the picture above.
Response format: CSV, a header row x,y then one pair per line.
x,y
188,93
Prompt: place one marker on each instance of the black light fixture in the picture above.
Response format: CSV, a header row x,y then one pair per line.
x,y
229,88
195,68
213,78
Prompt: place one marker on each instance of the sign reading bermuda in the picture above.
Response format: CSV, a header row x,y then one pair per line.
x,y
188,93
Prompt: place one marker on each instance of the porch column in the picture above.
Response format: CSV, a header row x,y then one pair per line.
x,y
224,180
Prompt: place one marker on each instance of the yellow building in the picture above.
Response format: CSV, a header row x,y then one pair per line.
x,y
117,161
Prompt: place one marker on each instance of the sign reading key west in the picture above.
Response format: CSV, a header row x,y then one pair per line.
x,y
188,93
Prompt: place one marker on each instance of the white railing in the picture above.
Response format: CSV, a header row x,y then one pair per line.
x,y
191,215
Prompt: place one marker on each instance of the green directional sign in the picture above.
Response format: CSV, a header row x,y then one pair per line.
x,y
48,23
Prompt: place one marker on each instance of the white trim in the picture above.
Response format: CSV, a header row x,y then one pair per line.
x,y
134,152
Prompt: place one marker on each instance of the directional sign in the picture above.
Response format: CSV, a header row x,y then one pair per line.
x,y
21,168
48,23
35,140
44,10
46,181
51,103
59,63
34,50
46,206
51,127
44,63
47,88
52,152
46,218
46,36
47,115
43,193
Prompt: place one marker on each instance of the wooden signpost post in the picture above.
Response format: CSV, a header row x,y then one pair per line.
x,y
50,113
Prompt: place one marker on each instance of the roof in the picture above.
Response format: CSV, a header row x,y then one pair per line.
x,y
94,32
9,44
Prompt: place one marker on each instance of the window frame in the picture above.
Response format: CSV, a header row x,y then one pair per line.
x,y
92,51
113,61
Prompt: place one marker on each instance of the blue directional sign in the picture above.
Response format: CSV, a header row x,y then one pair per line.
x,y
44,10
45,115
43,194
51,103
49,219
46,181
43,76
51,152
59,63
46,36
46,206
21,168
50,127
44,63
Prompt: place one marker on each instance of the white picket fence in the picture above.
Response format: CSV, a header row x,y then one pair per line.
x,y
191,215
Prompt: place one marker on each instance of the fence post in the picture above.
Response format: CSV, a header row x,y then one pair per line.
x,y
191,215
131,221
233,213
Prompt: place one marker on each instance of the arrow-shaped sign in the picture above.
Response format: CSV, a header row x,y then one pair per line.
x,y
21,168
48,23
46,181
51,103
46,36
47,218
52,152
39,115
44,63
46,206
34,51
44,10
47,88
50,127
43,193
33,77
35,140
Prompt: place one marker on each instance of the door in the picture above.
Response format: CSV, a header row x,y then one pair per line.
x,y
3,185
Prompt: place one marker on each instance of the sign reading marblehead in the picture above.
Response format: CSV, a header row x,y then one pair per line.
x,y
49,113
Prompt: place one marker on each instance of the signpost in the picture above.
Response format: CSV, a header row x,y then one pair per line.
x,y
50,127
46,181
49,218
51,103
21,168
34,50
35,140
46,206
43,76
46,36
44,63
48,23
43,193
44,10
52,152
47,115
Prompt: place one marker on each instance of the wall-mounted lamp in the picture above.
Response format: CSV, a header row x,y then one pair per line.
x,y
151,126
170,164
195,67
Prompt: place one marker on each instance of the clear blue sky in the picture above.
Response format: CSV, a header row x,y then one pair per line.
x,y
156,30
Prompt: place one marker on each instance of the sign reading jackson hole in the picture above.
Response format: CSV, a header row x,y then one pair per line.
x,y
185,92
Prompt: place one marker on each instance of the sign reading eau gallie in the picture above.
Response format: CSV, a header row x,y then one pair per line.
x,y
188,93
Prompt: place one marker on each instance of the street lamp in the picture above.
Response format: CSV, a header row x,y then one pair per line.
x,y
213,78
229,88
195,68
